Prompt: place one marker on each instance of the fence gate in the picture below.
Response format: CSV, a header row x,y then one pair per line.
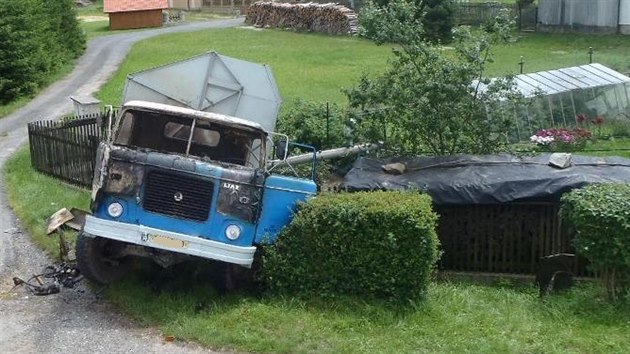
x,y
66,149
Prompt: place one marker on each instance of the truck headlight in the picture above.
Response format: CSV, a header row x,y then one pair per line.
x,y
115,209
232,232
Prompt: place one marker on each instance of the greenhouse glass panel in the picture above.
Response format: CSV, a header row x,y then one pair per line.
x,y
558,96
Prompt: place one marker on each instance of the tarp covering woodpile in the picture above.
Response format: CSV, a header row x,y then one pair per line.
x,y
488,179
313,17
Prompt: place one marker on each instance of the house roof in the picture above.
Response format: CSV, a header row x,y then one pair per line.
x,y
110,6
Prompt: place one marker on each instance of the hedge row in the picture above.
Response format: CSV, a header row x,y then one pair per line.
x,y
600,214
37,37
370,244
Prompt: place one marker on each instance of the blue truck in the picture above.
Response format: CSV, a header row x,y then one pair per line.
x,y
172,183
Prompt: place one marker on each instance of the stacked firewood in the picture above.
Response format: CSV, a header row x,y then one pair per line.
x,y
327,18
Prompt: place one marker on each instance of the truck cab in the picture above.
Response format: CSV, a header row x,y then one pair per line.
x,y
172,183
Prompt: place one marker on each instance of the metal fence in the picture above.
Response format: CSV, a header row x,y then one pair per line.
x,y
66,149
475,14
466,13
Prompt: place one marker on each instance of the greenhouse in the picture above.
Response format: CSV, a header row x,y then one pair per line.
x,y
580,96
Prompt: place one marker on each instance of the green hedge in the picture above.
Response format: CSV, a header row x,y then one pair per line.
x,y
380,245
600,215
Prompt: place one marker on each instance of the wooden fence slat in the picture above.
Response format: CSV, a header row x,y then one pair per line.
x,y
507,238
66,149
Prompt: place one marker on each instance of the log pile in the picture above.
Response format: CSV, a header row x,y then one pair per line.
x,y
312,17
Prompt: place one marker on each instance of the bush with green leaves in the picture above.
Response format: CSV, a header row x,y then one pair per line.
x,y
313,123
378,245
435,17
430,100
37,38
600,216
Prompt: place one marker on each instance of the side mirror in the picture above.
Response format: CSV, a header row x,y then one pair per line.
x,y
281,149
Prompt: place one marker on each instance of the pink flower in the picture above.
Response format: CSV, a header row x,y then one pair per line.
x,y
598,121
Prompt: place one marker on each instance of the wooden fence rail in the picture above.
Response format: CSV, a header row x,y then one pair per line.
x,y
503,238
66,149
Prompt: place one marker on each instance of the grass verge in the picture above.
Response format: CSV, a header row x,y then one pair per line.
x,y
34,197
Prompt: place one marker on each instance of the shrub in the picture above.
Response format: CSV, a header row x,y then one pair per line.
x,y
600,215
380,245
424,100
435,18
561,139
316,124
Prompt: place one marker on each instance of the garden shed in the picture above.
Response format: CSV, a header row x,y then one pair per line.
x,y
127,14
498,213
570,97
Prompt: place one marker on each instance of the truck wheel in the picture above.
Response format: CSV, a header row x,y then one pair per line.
x,y
95,261
231,277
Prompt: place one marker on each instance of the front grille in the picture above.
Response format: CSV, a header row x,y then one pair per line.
x,y
178,195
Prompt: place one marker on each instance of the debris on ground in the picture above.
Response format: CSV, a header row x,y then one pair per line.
x,y
74,219
51,280
77,222
555,273
57,219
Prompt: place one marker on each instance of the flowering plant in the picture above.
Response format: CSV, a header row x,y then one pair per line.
x,y
561,139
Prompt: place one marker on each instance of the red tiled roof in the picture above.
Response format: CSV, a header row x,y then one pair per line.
x,y
133,5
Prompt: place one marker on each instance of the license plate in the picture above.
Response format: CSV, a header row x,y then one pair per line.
x,y
167,241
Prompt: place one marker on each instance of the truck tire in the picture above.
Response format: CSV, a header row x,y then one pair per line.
x,y
94,259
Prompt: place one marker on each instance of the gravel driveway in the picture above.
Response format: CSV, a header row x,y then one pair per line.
x,y
76,320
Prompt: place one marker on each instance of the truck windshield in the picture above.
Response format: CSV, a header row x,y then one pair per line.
x,y
194,137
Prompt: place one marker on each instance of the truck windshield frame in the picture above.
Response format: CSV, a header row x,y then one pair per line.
x,y
191,136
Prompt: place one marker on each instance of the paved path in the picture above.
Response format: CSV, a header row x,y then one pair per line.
x,y
74,321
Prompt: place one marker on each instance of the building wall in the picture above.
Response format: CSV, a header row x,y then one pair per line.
x,y
624,17
135,19
186,4
607,16
579,15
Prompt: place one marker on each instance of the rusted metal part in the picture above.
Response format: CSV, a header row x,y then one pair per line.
x,y
124,178
240,194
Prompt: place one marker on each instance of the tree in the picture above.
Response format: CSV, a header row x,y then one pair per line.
x,y
429,99
23,56
62,19
437,17
37,37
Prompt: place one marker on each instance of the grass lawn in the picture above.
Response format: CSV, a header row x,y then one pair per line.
x,y
455,317
307,66
317,67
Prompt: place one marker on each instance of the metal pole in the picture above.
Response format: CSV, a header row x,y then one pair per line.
x,y
521,63
327,124
590,55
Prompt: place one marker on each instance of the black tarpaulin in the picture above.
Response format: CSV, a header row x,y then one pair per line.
x,y
487,179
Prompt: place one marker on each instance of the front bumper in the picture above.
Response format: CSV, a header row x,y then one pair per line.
x,y
169,241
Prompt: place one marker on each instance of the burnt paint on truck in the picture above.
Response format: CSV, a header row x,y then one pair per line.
x,y
191,184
